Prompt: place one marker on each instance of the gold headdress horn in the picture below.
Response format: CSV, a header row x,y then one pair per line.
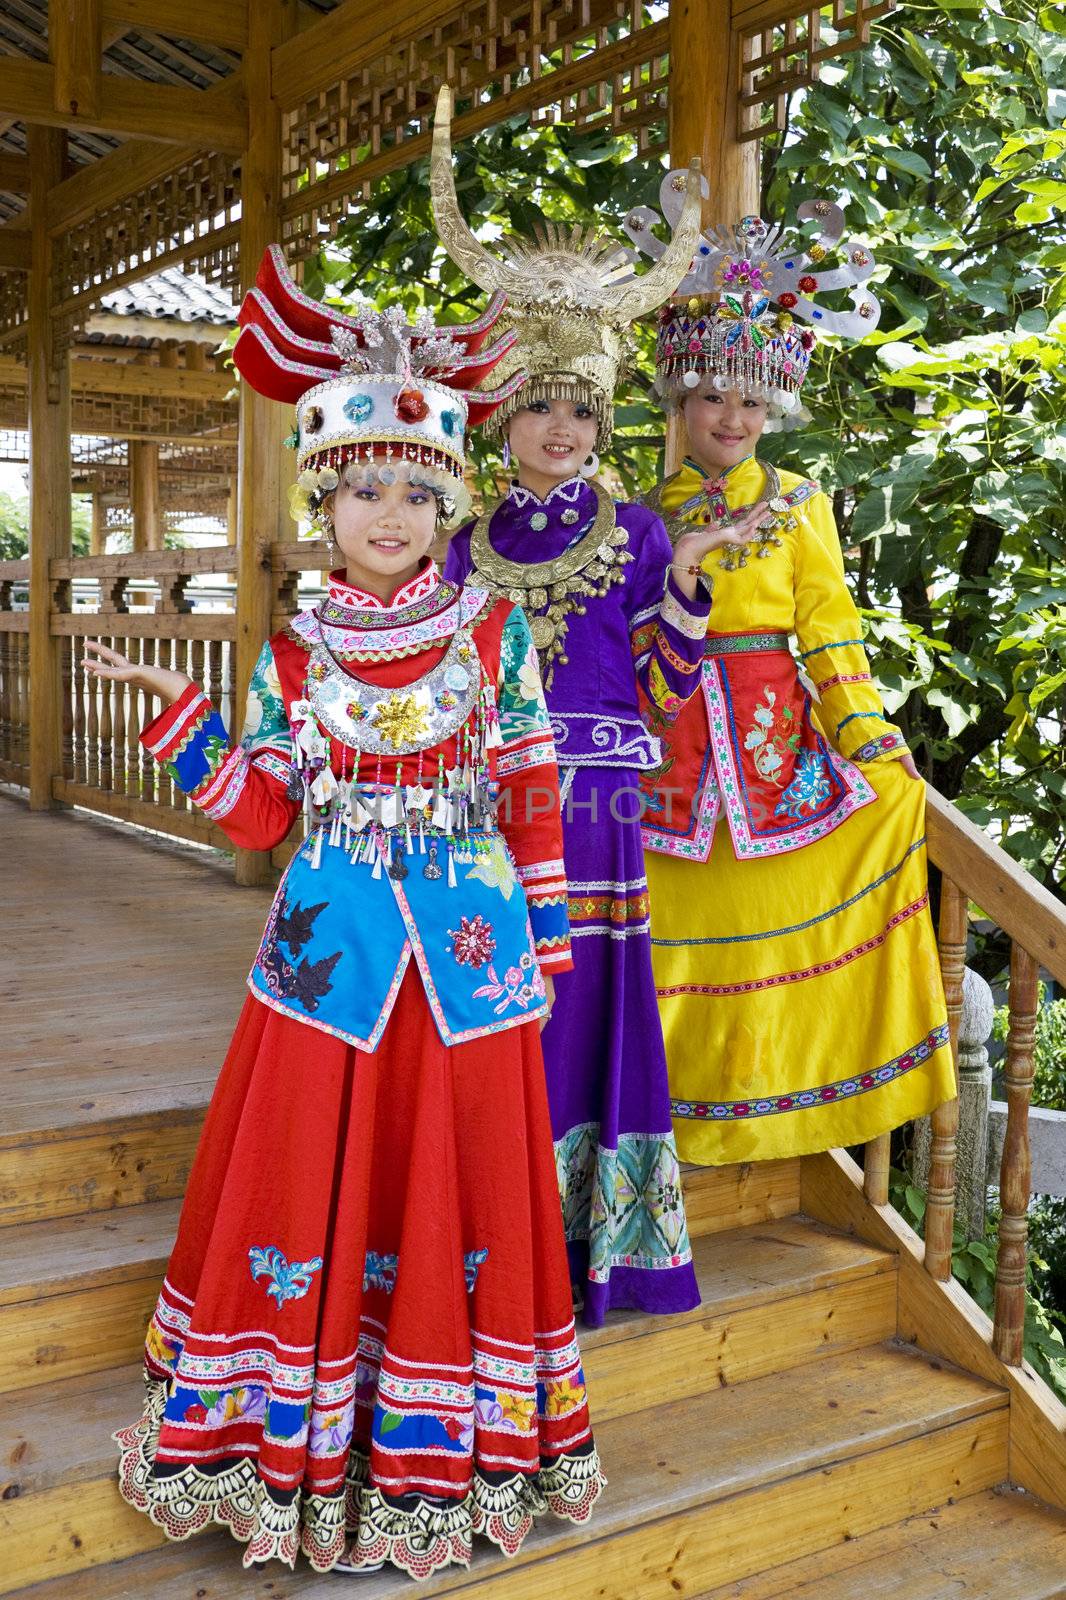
x,y
592,289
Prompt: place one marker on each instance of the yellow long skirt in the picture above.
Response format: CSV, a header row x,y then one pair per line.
x,y
800,994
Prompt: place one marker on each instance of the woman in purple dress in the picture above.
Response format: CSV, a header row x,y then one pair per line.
x,y
612,609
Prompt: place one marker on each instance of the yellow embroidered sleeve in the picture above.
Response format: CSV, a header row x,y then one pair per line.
x,y
849,711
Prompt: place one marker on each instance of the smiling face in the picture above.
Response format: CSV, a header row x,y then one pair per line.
x,y
383,530
723,427
551,438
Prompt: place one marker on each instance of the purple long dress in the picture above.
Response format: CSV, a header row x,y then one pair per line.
x,y
618,1169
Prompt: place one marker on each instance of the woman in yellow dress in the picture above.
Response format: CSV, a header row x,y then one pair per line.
x,y
794,956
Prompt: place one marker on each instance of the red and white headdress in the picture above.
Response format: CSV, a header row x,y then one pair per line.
x,y
372,387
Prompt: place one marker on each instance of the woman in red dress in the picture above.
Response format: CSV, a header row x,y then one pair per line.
x,y
364,1345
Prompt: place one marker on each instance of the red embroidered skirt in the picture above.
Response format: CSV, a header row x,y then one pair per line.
x,y
365,1334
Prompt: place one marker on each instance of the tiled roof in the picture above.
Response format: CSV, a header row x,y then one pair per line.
x,y
174,295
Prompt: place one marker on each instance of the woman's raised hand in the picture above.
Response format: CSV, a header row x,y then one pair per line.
x,y
103,662
692,547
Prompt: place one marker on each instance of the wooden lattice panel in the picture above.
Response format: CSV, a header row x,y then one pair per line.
x,y
190,215
13,313
134,416
593,63
782,49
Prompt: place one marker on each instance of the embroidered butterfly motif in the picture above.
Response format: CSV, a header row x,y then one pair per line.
x,y
290,1280
493,868
472,1265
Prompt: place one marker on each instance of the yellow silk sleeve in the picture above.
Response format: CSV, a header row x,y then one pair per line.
x,y
832,653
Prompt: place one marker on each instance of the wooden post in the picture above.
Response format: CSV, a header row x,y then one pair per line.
x,y
944,1122
1015,1173
262,517
49,432
704,83
876,1161
98,529
144,495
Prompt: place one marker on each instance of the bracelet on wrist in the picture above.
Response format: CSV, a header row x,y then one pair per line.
x,y
693,571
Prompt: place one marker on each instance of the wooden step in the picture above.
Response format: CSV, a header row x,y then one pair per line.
x,y
76,1295
104,1138
715,1485
828,1294
999,1545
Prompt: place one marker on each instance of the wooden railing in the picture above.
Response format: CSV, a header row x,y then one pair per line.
x,y
974,870
14,673
143,607
147,606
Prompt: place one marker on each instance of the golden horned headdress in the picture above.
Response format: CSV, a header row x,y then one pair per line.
x,y
571,294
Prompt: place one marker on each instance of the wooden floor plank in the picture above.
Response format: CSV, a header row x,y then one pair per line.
x,y
131,954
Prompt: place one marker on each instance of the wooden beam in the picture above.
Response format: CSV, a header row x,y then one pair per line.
x,y
49,428
222,22
126,170
14,173
124,378
130,107
75,46
343,40
704,84
14,250
261,511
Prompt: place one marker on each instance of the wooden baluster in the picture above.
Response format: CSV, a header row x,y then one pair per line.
x,y
22,683
150,769
214,673
167,793
26,699
944,1123
69,686
196,671
227,703
1015,1173
6,673
131,754
107,752
92,733
133,728
81,686
118,729
876,1160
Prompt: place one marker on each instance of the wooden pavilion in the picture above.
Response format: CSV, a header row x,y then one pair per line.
x,y
780,1441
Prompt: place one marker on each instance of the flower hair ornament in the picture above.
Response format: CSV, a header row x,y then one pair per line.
x,y
746,316
571,294
371,388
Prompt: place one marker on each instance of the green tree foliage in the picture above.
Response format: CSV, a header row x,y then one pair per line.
x,y
15,525
943,433
941,437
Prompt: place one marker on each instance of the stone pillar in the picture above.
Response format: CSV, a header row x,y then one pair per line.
x,y
975,1093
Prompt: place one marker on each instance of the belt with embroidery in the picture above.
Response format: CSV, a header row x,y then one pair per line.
x,y
737,644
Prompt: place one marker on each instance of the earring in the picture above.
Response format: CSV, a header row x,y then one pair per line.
x,y
506,453
590,466
325,522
